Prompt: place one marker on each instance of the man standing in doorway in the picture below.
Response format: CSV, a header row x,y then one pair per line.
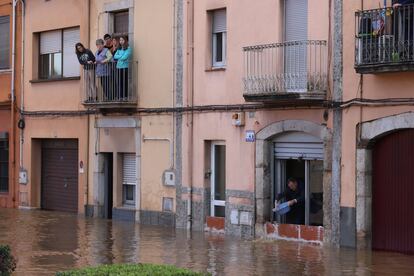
x,y
294,194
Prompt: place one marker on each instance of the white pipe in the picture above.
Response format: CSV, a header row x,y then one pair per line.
x,y
171,147
22,82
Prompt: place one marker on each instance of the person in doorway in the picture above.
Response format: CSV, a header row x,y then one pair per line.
x,y
294,194
123,58
103,56
87,59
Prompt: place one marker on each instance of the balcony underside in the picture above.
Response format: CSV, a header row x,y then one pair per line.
x,y
286,97
116,105
384,68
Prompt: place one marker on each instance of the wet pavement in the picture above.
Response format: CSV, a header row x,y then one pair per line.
x,y
45,242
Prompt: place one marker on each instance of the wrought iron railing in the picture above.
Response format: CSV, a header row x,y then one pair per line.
x,y
295,66
107,84
384,36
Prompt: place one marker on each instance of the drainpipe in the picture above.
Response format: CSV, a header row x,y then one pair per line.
x,y
88,135
13,101
190,74
21,132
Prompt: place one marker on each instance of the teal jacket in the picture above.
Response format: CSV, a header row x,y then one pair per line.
x,y
123,57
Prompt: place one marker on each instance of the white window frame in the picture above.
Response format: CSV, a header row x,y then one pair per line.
x,y
124,184
219,64
214,202
215,63
7,66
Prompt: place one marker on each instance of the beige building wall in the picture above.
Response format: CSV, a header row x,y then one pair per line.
x,y
151,35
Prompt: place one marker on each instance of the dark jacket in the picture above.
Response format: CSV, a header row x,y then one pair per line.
x,y
297,211
403,2
86,56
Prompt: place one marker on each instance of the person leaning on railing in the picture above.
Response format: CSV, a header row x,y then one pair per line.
x,y
103,56
87,59
122,57
404,27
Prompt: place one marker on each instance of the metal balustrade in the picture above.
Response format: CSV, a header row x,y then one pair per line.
x,y
384,39
104,84
289,67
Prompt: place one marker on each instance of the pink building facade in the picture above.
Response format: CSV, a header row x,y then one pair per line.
x,y
263,82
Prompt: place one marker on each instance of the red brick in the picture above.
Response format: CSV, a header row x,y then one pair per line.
x,y
270,228
215,222
309,233
288,231
321,234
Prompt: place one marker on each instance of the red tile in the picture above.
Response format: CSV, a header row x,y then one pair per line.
x,y
216,223
270,228
288,231
309,233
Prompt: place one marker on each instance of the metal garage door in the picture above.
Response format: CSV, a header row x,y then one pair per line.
x,y
294,145
392,193
60,175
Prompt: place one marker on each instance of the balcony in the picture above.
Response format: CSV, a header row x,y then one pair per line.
x,y
384,40
106,87
289,71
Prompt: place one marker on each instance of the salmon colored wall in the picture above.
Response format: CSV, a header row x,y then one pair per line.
x,y
60,95
380,86
52,128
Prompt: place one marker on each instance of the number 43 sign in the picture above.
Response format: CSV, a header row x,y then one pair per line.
x,y
250,136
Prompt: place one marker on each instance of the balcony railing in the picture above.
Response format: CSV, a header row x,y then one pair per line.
x,y
105,85
296,68
384,40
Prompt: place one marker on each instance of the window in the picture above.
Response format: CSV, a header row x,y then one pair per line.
x,y
219,38
121,23
4,42
129,178
218,180
57,54
4,165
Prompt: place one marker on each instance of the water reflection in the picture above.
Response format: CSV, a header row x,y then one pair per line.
x,y
45,242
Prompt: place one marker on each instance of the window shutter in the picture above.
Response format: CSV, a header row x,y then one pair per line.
x,y
70,60
4,42
51,42
298,145
296,20
129,169
219,21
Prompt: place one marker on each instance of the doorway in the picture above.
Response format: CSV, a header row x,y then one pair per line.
x,y
108,182
218,180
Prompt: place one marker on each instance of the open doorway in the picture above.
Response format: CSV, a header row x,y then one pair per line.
x,y
108,188
298,158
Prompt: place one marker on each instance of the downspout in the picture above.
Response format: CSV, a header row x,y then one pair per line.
x,y
12,107
21,133
89,117
190,74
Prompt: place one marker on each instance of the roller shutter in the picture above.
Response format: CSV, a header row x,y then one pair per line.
x,y
295,145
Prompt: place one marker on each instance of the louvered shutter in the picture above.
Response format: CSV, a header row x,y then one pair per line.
x,y
298,145
4,42
70,60
121,22
219,21
296,28
51,42
129,169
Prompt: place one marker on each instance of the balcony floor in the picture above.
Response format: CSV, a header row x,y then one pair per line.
x,y
379,68
286,97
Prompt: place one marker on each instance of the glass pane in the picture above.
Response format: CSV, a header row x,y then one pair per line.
x,y
4,42
316,192
219,47
4,184
57,65
219,211
129,191
4,155
44,68
220,172
4,169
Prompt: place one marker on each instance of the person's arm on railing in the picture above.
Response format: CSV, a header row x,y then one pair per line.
x,y
108,56
123,55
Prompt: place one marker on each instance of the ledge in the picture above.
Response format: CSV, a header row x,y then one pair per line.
x,y
215,69
380,68
287,97
5,71
53,80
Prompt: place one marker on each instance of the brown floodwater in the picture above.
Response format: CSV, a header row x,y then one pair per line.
x,y
45,242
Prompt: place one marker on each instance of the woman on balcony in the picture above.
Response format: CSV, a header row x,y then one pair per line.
x,y
87,59
122,57
103,56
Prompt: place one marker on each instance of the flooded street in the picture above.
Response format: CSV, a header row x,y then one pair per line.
x,y
46,242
